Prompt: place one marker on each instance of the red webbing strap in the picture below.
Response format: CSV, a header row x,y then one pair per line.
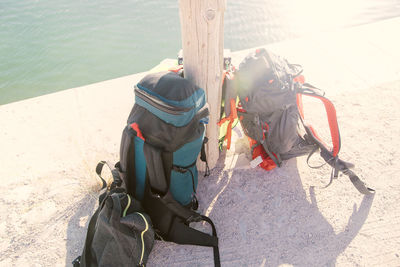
x,y
135,127
301,112
176,69
332,120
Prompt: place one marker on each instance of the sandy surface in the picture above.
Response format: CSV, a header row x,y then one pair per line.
x,y
50,146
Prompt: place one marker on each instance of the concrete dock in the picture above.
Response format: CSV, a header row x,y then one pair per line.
x,y
50,145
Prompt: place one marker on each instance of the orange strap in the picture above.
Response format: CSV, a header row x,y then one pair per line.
x,y
176,69
231,119
332,120
135,127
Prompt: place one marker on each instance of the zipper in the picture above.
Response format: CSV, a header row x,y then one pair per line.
x,y
159,104
142,238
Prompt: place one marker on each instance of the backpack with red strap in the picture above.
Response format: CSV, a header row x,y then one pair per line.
x,y
270,110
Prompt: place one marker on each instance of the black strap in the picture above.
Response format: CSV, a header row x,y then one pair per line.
x,y
177,209
184,169
179,231
155,168
217,261
77,262
203,156
86,256
315,149
114,171
183,234
339,165
360,185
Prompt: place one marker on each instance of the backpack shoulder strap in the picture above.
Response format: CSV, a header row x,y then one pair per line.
x,y
164,208
330,156
155,169
332,120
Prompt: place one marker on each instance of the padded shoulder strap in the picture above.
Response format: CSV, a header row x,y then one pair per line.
x,y
159,187
330,156
155,169
162,202
182,233
332,120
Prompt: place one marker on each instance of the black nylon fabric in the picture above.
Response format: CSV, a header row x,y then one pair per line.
x,y
127,157
114,240
163,135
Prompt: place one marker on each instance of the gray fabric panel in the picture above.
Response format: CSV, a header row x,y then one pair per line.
x,y
267,100
283,134
163,135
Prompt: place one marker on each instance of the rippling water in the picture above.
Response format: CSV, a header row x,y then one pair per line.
x,y
48,45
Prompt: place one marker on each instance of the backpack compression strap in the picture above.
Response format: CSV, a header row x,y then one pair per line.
x,y
162,202
114,171
330,156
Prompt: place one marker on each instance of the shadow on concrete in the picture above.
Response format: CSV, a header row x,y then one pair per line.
x,y
77,227
265,219
262,219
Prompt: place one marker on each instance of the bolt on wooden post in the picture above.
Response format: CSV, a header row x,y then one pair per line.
x,y
202,23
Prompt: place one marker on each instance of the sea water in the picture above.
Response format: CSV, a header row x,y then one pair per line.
x,y
51,45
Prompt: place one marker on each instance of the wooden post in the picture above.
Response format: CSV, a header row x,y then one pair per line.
x,y
202,23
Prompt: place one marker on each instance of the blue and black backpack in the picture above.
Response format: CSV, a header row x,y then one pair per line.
x,y
164,136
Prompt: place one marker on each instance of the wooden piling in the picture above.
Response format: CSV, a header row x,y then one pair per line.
x,y
202,23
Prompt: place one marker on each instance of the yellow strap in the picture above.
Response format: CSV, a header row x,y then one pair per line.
x,y
142,236
127,206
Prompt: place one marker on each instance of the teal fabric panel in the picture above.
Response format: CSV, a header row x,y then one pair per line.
x,y
188,153
140,168
181,185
